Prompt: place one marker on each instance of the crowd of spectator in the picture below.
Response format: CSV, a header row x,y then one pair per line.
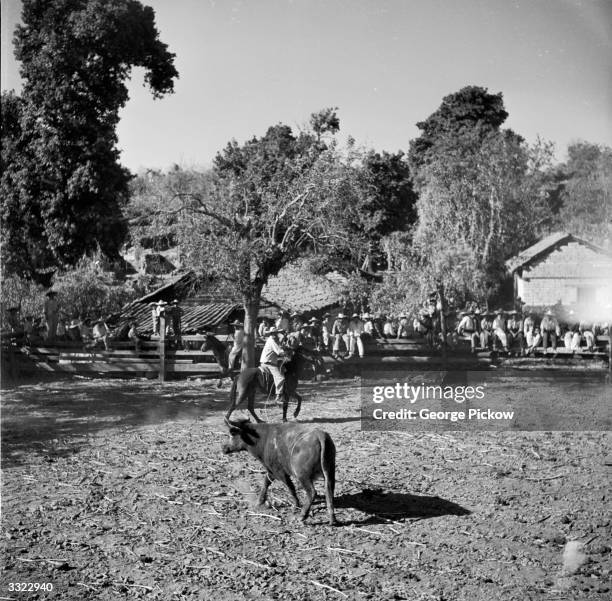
x,y
341,336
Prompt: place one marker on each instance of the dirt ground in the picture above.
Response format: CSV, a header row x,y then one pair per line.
x,y
118,489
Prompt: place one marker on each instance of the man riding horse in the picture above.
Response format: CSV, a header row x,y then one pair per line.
x,y
270,355
269,377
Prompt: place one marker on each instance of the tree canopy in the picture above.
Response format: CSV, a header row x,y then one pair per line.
x,y
480,201
471,112
62,185
265,203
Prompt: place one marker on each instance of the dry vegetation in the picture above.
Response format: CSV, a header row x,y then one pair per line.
x,y
118,489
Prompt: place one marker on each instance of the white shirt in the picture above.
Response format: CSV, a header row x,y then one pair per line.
x,y
388,329
356,326
239,338
271,351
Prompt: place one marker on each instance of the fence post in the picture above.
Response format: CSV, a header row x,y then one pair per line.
x,y
162,347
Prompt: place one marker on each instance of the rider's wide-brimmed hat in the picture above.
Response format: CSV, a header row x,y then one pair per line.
x,y
341,316
548,312
355,315
161,303
237,324
365,316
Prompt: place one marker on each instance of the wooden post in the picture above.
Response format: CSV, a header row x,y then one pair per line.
x,y
162,347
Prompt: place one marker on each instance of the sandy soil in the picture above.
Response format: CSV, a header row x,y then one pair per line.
x,y
118,489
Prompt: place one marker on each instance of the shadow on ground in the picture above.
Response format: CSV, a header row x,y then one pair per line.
x,y
384,506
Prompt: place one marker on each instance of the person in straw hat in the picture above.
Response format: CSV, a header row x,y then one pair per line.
x,y
340,332
550,330
355,330
176,316
270,355
238,345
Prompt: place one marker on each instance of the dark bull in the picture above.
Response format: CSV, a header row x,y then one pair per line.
x,y
286,451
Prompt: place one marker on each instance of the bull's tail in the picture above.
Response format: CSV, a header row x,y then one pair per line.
x,y
328,469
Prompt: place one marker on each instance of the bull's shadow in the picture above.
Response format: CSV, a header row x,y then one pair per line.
x,y
384,506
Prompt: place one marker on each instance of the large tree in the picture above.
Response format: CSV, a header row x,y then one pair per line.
x,y
586,193
391,202
471,112
62,185
480,195
265,203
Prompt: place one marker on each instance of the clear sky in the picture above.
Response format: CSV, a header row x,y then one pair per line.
x,y
247,64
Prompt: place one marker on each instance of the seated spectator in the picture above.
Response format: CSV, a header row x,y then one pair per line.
x,y
402,326
486,330
532,340
499,331
389,328
528,325
74,330
586,333
369,326
549,327
467,326
99,333
571,336
514,330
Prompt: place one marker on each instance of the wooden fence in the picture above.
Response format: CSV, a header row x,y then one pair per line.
x,y
157,359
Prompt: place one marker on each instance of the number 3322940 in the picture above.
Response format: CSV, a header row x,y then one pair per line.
x,y
30,586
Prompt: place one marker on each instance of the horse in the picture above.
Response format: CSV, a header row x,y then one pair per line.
x,y
247,382
221,353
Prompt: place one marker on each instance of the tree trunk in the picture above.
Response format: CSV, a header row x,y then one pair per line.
x,y
251,309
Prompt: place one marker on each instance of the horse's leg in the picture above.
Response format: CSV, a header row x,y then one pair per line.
x,y
285,405
236,397
298,398
251,403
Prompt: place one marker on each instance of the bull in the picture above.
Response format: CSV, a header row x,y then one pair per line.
x,y
286,451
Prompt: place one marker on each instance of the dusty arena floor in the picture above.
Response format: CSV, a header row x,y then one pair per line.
x,y
118,489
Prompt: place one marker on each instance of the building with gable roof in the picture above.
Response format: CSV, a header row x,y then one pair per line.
x,y
562,269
